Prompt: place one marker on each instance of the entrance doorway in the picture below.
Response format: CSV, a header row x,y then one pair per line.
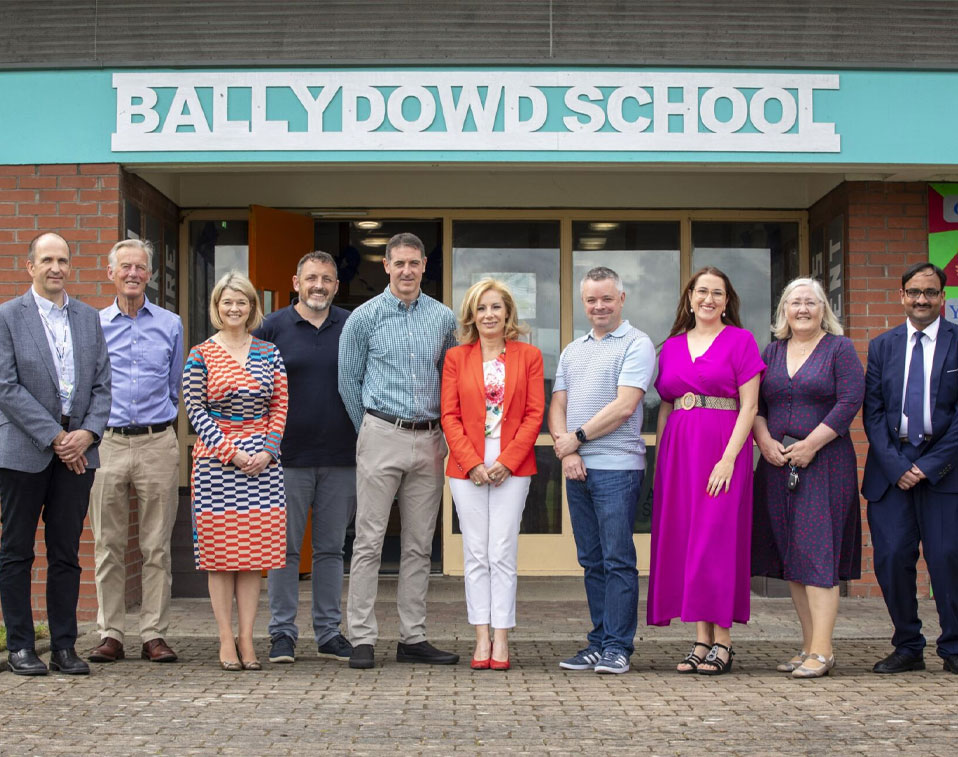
x,y
267,247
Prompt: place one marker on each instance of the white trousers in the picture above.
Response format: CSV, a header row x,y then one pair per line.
x,y
489,517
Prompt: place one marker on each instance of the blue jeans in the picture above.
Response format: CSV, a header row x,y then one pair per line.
x,y
602,509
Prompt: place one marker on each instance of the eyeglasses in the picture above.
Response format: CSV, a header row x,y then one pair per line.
x,y
930,294
717,294
799,304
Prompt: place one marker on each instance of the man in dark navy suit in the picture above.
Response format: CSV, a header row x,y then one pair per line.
x,y
911,481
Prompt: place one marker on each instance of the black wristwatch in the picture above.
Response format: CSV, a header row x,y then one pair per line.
x,y
580,435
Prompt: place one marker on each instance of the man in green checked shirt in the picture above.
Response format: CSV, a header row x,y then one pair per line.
x,y
390,369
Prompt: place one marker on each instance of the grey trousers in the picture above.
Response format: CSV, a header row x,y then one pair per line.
x,y
391,462
329,493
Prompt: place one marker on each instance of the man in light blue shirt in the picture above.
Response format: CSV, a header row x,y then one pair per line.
x,y
390,368
596,421
139,448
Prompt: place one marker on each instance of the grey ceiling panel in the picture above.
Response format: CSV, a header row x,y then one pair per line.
x,y
774,33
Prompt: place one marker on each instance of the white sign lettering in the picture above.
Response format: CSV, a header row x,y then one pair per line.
x,y
591,111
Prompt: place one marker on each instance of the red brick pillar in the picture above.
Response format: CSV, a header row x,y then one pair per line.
x,y
886,230
82,204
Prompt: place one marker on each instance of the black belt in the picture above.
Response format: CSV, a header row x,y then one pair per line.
x,y
405,425
65,421
139,430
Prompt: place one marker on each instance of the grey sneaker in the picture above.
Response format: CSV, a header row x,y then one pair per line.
x,y
584,659
613,661
283,649
337,648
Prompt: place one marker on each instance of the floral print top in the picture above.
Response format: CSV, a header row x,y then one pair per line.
x,y
494,375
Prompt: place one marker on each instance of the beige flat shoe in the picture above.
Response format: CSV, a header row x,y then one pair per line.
x,y
797,660
802,671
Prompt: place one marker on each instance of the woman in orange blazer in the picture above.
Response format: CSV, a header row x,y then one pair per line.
x,y
493,398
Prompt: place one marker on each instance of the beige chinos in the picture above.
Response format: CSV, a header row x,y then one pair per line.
x,y
150,463
393,462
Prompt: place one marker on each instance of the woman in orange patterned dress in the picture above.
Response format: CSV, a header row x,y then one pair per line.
x,y
234,388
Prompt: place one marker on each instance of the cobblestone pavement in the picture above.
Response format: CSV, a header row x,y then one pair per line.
x,y
321,706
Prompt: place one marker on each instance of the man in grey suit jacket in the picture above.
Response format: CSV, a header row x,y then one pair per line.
x,y
54,405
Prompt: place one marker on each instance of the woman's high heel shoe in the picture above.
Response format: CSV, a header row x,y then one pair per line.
x,y
791,665
480,664
495,664
803,671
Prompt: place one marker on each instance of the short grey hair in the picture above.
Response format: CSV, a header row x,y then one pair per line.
x,y
601,273
830,323
317,256
136,244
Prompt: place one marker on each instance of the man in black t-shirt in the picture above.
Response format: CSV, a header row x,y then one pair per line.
x,y
319,459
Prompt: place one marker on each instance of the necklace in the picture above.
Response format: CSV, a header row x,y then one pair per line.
x,y
239,346
802,347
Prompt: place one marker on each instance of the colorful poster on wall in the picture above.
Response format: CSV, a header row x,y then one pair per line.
x,y
943,240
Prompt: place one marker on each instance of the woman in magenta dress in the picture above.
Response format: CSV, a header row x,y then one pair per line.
x,y
709,372
812,535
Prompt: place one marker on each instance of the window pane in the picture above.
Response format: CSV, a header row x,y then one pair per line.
x,y
758,257
525,255
645,254
216,247
359,247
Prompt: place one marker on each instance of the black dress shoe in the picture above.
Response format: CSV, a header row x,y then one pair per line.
x,y
951,663
897,662
66,661
24,662
362,657
424,652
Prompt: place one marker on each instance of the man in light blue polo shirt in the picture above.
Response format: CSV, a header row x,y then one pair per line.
x,y
596,421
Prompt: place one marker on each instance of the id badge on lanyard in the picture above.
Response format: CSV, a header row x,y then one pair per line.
x,y
60,349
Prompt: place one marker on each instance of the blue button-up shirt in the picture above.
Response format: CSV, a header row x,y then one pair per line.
x,y
146,356
390,357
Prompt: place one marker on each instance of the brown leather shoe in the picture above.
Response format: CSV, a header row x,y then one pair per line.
x,y
156,650
109,650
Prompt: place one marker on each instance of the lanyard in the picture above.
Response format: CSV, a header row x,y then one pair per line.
x,y
59,349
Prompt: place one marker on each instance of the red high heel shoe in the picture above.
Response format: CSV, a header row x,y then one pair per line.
x,y
481,664
499,664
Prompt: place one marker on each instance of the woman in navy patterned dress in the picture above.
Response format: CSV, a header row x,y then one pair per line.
x,y
810,534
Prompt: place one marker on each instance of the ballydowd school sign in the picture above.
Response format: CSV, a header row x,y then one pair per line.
x,y
478,111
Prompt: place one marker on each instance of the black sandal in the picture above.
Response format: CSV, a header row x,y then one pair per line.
x,y
692,659
712,658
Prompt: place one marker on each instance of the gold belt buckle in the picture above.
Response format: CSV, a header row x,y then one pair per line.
x,y
688,401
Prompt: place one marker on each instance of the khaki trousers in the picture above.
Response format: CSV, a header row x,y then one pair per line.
x,y
391,462
150,463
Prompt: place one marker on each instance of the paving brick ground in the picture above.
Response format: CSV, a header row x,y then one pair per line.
x,y
321,706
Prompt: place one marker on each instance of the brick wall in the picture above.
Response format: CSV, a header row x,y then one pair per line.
x,y
886,230
81,203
